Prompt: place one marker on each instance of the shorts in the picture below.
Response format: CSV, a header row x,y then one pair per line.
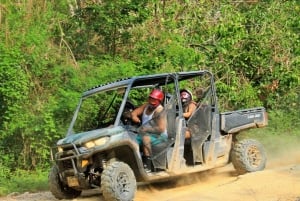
x,y
155,139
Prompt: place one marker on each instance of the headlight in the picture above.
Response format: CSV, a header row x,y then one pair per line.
x,y
60,149
97,142
89,144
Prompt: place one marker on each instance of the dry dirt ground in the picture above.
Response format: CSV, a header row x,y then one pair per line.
x,y
280,181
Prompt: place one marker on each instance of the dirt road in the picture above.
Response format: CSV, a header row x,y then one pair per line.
x,y
280,181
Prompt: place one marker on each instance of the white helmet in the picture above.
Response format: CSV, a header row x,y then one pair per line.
x,y
185,96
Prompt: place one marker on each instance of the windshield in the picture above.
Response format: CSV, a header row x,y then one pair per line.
x,y
98,111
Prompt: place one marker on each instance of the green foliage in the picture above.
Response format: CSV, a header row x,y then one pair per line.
x,y
284,121
14,89
103,27
14,86
24,181
236,92
50,53
169,55
27,123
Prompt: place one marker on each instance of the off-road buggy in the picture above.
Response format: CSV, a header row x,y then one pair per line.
x,y
100,150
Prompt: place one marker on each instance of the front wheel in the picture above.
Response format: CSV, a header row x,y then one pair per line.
x,y
248,156
118,182
58,189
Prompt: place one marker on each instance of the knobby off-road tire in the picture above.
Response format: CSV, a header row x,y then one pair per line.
x,y
118,182
56,187
248,156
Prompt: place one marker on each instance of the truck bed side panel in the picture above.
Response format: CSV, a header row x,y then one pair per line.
x,y
235,121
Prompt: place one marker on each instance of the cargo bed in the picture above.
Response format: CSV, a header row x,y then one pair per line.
x,y
235,121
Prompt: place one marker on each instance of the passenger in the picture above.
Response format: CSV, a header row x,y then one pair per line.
x,y
188,107
153,129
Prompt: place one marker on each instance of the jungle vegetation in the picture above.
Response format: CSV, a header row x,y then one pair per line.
x,y
52,50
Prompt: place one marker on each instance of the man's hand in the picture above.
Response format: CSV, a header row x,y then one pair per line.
x,y
136,119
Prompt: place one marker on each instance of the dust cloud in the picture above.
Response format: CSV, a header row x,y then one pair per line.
x,y
282,170
283,149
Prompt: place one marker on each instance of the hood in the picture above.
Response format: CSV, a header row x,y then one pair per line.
x,y
80,138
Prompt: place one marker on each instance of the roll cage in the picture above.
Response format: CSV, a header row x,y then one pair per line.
x,y
124,87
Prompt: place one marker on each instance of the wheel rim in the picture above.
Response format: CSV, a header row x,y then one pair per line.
x,y
254,156
123,184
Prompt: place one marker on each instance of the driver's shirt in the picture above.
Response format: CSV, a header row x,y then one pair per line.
x,y
146,118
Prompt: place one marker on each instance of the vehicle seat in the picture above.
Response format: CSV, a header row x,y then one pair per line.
x,y
200,127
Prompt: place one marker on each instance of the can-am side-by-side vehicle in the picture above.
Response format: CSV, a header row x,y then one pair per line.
x,y
100,149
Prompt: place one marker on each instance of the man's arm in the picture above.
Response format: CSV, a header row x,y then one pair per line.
x,y
137,112
161,120
192,108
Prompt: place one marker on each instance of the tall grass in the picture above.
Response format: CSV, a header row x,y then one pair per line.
x,y
24,181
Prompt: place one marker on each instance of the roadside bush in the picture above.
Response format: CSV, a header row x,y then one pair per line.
x,y
24,181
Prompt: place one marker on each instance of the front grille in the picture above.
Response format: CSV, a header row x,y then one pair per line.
x,y
66,164
65,158
68,148
66,154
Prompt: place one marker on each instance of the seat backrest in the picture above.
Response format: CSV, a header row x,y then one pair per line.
x,y
200,127
200,118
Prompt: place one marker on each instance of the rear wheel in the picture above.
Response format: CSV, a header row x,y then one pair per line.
x,y
248,156
58,189
118,182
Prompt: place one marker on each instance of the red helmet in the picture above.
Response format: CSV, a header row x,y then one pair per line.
x,y
157,94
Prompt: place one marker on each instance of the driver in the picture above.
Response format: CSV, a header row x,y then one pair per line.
x,y
153,129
